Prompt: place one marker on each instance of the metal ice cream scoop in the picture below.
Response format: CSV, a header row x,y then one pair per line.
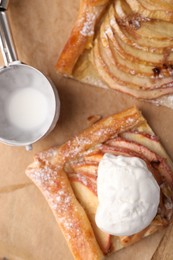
x,y
29,102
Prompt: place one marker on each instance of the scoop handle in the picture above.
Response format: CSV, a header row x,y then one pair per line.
x,y
4,4
6,41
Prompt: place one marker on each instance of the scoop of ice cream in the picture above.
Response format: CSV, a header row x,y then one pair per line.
x,y
128,195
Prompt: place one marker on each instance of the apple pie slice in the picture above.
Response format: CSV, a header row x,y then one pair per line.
x,y
125,45
67,177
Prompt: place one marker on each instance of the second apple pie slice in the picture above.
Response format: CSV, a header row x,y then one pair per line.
x,y
124,45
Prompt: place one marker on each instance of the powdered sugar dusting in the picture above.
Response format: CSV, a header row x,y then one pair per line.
x,y
130,120
47,154
59,201
59,196
61,204
50,181
108,31
88,27
112,21
83,179
164,101
77,145
44,175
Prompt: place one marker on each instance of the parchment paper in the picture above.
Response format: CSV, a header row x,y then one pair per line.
x,y
28,229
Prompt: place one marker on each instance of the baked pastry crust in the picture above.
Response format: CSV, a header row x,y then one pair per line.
x,y
124,45
81,37
66,176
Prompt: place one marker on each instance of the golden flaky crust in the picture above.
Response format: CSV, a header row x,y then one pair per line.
x,y
59,172
82,34
124,45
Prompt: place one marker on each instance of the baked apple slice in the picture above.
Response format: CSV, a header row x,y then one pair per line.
x,y
67,177
89,201
160,5
153,13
